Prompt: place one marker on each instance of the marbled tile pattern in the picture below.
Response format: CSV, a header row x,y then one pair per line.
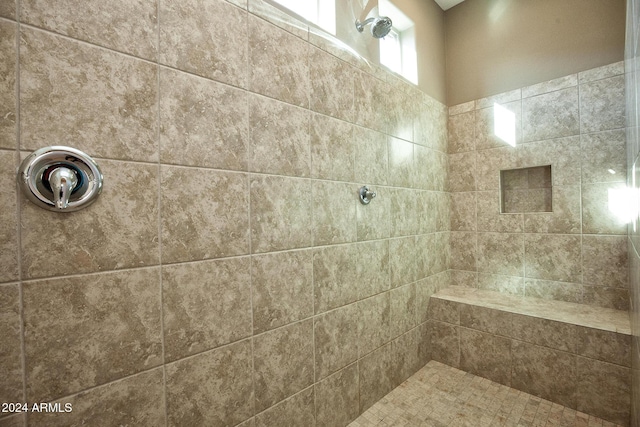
x,y
232,150
124,26
198,36
88,330
536,346
439,395
8,219
8,71
95,100
10,354
558,242
135,400
205,305
125,215
203,123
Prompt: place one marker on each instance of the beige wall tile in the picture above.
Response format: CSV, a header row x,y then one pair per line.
x,y
374,316
603,72
486,355
8,9
8,71
489,214
501,98
278,63
283,363
552,257
602,154
604,389
404,219
335,276
501,253
549,289
282,288
202,122
496,322
375,376
280,142
120,230
462,172
334,213
467,279
84,331
606,346
92,99
616,298
335,340
602,104
427,287
444,310
464,250
206,216
547,333
124,26
563,154
9,251
554,371
461,130
403,266
136,400
406,357
373,220
401,163
565,215
370,156
402,309
205,305
207,38
369,102
373,268
508,284
551,115
211,388
597,217
332,149
337,398
298,410
462,108
331,85
463,211
17,420
11,354
280,213
443,342
550,86
604,261
488,166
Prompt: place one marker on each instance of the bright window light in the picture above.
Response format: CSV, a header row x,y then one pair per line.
x,y
398,48
319,12
504,124
623,204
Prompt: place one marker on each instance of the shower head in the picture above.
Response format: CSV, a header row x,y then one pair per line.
x,y
380,27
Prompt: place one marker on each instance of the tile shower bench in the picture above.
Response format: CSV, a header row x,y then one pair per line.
x,y
576,355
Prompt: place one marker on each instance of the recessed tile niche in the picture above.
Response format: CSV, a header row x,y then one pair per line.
x,y
526,190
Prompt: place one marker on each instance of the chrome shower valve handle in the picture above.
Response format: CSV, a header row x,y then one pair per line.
x,y
366,195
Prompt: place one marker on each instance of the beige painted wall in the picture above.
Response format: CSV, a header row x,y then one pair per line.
x,y
493,46
430,44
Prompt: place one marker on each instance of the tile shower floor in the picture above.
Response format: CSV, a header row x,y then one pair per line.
x,y
439,395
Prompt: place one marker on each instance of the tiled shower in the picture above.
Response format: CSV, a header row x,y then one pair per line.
x,y
228,274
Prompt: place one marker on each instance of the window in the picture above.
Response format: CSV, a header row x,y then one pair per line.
x,y
319,12
398,48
